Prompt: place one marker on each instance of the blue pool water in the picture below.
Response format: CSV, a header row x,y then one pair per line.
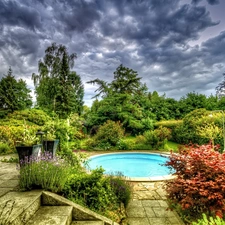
x,y
131,164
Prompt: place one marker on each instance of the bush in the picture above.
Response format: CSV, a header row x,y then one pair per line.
x,y
35,116
151,138
209,221
91,190
110,132
168,123
199,184
121,188
108,135
4,148
47,172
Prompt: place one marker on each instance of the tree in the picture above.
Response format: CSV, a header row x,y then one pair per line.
x,y
58,88
220,89
191,102
126,81
14,95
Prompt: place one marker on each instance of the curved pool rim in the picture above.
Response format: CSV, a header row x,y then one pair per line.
x,y
142,179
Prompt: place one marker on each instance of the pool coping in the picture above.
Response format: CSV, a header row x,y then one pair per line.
x,y
142,179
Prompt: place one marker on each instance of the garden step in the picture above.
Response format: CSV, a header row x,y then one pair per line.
x,y
87,222
52,215
16,208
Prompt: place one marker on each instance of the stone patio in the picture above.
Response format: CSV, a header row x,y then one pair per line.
x,y
149,206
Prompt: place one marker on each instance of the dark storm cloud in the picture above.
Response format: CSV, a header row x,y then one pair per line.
x,y
150,36
154,21
211,2
79,15
14,14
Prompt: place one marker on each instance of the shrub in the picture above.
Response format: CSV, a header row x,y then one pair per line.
x,y
209,221
35,116
91,190
141,139
151,138
199,185
4,148
110,132
163,134
108,135
121,188
168,123
46,172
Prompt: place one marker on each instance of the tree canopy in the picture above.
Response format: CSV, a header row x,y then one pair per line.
x,y
58,88
14,94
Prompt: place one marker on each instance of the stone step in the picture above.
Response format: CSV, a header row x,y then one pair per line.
x,y
16,208
87,222
52,215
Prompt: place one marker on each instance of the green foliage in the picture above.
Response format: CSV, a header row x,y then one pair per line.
x,y
109,133
19,135
91,190
121,188
10,160
192,101
220,87
170,145
151,138
192,118
156,138
163,108
47,172
209,221
33,116
14,95
4,148
100,193
168,123
123,145
77,161
58,89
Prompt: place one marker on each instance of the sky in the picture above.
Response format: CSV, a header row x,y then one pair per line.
x,y
176,46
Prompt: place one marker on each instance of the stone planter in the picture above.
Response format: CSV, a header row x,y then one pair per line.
x,y
50,146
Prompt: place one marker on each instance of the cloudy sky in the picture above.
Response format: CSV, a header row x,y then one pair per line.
x,y
176,46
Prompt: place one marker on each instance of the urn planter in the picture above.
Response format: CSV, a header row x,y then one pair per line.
x,y
25,152
50,146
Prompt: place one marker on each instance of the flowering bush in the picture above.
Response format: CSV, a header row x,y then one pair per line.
x,y
200,183
46,172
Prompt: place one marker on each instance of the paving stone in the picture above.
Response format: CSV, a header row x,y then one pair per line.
x,y
159,221
134,203
174,220
9,184
4,191
136,212
151,203
163,212
163,203
138,221
149,212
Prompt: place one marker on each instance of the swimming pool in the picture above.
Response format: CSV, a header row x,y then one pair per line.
x,y
132,165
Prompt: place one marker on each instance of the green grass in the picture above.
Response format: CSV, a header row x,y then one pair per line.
x,y
170,145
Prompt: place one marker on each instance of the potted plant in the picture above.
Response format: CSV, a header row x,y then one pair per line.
x,y
27,145
50,143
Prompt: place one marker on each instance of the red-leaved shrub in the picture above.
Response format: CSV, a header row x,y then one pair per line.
x,y
200,183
